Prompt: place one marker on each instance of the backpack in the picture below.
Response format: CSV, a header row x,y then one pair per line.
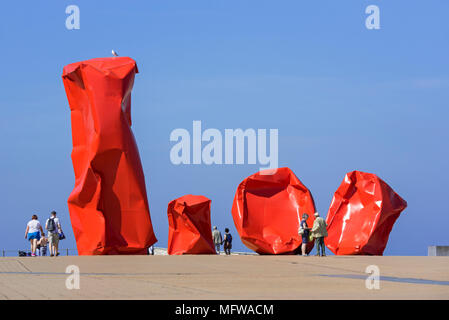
x,y
51,225
228,238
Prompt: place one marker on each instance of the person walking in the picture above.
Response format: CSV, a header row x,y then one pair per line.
x,y
304,230
218,241
227,242
33,233
53,227
319,232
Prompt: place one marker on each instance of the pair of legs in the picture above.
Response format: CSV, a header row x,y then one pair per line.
x,y
33,243
43,251
217,248
53,239
34,238
303,249
320,246
305,239
227,249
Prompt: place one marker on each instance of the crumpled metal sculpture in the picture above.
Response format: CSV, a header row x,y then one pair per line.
x,y
189,226
267,209
108,205
361,215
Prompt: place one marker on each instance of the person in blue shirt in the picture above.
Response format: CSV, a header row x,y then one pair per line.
x,y
227,242
305,234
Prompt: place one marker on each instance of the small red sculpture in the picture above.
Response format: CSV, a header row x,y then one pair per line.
x,y
189,226
361,215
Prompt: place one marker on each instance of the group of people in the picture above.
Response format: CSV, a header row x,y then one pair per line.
x,y
226,241
36,236
318,232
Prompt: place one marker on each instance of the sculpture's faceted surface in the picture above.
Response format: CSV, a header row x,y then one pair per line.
x,y
108,206
361,215
189,226
267,209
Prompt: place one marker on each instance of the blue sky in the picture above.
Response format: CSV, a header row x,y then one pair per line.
x,y
343,98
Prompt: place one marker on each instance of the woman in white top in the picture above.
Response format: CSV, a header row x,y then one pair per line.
x,y
32,233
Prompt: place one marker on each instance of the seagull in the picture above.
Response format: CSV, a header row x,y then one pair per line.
x,y
114,53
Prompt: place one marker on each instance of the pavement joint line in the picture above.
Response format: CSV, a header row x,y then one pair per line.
x,y
390,279
103,273
24,266
322,266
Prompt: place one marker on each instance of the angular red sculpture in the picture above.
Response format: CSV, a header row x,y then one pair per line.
x,y
361,215
108,206
189,226
267,209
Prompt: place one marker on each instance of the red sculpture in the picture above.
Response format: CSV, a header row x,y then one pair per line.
x,y
361,215
189,226
108,206
267,209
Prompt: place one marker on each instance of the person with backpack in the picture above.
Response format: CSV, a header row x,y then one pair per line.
x,y
33,233
227,242
53,227
319,232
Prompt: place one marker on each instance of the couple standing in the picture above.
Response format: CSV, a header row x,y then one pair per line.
x,y
34,230
318,232
218,241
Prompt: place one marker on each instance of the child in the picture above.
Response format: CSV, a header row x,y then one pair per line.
x,y
42,245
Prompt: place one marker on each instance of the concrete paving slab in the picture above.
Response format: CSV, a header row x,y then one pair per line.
x,y
224,277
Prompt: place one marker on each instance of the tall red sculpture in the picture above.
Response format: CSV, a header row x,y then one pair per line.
x,y
189,226
108,205
361,215
267,209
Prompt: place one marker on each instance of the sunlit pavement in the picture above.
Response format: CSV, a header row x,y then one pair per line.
x,y
224,277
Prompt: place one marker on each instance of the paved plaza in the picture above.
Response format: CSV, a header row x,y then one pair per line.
x,y
224,277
